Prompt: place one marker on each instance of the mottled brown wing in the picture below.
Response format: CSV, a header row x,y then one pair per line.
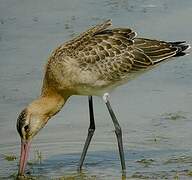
x,y
79,43
111,53
156,50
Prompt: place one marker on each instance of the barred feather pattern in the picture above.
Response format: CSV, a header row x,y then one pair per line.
x,y
113,54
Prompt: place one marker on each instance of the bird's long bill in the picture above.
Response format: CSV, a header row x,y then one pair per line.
x,y
25,147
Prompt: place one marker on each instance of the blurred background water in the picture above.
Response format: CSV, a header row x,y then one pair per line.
x,y
154,110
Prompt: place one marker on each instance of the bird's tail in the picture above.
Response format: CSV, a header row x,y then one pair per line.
x,y
158,51
181,47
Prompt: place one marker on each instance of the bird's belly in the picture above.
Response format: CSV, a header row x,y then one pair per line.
x,y
97,89
89,90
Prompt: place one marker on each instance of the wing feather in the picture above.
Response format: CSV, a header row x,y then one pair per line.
x,y
115,54
156,50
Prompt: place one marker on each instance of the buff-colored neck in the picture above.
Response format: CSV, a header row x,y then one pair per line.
x,y
48,104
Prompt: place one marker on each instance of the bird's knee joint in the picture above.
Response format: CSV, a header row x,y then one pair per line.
x,y
105,97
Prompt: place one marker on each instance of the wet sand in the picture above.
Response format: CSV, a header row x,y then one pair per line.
x,y
154,110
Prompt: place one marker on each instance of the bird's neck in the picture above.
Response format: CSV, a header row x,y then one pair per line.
x,y
48,104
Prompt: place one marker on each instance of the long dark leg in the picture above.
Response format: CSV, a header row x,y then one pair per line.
x,y
90,133
118,132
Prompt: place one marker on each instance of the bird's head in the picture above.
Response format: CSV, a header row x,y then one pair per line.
x,y
31,120
28,125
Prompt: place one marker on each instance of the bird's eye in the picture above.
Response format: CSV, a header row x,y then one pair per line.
x,y
26,128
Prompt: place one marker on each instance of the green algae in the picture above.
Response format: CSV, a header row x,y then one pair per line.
x,y
10,157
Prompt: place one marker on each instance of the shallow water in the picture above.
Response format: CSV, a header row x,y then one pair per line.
x,y
154,110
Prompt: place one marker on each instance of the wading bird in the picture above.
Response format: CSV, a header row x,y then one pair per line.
x,y
92,64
